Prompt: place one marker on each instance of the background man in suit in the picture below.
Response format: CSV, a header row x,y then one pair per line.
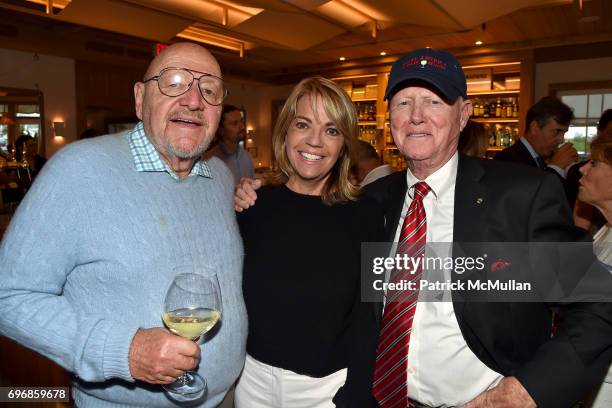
x,y
546,124
229,134
368,166
478,354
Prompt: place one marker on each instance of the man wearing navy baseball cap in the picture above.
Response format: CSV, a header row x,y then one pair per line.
x,y
471,354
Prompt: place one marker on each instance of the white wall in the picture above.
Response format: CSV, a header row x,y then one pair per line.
x,y
54,76
585,70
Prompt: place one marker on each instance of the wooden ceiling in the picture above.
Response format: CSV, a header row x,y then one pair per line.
x,y
281,38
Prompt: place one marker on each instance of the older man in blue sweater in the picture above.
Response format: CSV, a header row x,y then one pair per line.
x,y
90,252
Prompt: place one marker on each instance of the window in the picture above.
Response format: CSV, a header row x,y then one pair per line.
x,y
4,121
20,114
588,106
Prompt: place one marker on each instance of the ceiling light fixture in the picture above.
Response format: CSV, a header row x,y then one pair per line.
x,y
478,42
342,58
218,40
50,4
383,53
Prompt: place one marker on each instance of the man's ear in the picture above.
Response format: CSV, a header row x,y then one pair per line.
x,y
534,127
466,112
138,98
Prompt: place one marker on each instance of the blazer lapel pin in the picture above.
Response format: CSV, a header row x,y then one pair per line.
x,y
500,265
479,200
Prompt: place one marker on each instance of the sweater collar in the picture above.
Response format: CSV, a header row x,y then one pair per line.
x,y
147,159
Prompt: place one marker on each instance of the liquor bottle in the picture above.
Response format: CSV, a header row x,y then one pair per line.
x,y
498,108
485,110
510,139
394,160
388,136
492,110
515,108
498,136
509,113
371,115
491,134
360,111
508,136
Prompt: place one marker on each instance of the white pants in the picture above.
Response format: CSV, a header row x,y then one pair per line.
x,y
264,386
603,399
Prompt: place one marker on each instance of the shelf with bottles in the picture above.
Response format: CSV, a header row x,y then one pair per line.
x,y
395,159
369,134
495,109
366,111
494,120
494,92
367,93
495,88
389,143
500,135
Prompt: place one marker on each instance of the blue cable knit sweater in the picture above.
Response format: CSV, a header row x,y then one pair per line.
x,y
89,256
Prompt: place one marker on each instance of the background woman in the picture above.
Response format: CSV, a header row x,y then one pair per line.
x,y
596,189
586,216
473,139
302,266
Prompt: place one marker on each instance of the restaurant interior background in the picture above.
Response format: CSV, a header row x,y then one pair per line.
x,y
70,65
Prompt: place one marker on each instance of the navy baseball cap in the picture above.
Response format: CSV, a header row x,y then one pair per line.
x,y
435,67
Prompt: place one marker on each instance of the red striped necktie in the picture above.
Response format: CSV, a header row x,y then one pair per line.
x,y
390,387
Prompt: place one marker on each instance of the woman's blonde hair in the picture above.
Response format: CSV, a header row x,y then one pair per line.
x,y
601,147
341,111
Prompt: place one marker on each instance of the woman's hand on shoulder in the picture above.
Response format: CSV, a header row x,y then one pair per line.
x,y
245,194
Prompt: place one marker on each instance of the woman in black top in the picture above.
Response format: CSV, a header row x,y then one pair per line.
x,y
302,265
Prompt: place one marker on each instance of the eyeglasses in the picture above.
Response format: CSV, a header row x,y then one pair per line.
x,y
177,81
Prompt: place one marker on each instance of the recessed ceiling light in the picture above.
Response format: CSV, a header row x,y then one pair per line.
x,y
478,42
383,53
342,58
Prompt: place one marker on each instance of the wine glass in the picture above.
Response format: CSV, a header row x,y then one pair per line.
x,y
192,307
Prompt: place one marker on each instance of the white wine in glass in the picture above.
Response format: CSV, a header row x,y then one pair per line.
x,y
191,323
192,307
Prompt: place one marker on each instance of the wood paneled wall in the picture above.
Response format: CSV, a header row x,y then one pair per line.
x,y
108,89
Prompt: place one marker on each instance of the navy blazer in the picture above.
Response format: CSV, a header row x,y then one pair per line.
x,y
518,153
505,202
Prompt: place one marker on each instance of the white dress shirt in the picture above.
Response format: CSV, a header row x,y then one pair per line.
x,y
602,245
532,152
442,370
375,174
